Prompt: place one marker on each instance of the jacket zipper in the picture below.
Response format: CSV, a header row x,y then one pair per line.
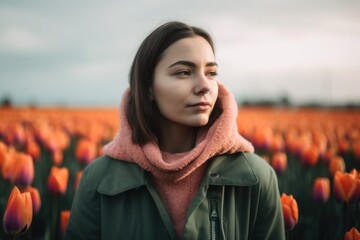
x,y
214,225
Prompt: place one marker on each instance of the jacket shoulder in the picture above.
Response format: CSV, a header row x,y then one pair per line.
x,y
110,176
261,168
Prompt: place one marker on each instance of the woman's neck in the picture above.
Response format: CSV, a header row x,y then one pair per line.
x,y
177,138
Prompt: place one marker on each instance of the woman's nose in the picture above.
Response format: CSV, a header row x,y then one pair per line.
x,y
202,85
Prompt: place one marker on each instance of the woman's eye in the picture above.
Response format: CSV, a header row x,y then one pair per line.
x,y
212,74
182,73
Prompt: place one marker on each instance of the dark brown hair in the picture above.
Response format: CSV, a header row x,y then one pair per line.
x,y
142,113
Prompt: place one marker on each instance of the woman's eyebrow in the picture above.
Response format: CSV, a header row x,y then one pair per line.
x,y
191,64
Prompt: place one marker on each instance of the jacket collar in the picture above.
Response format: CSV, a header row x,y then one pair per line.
x,y
229,169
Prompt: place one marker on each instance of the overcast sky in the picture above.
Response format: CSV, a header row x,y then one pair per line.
x,y
79,52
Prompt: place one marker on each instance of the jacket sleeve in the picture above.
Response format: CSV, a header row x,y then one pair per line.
x,y
84,221
269,222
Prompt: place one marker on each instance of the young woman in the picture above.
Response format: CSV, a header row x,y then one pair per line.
x,y
178,168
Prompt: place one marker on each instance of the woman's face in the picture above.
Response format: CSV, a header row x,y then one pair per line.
x,y
185,87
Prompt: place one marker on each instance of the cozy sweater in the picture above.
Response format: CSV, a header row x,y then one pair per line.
x,y
178,176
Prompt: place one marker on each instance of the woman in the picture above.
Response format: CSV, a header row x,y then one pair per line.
x,y
177,169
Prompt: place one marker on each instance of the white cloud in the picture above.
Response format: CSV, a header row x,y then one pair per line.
x,y
19,40
95,69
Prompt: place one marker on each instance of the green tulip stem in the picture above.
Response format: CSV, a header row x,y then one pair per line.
x,y
287,234
54,217
346,216
358,213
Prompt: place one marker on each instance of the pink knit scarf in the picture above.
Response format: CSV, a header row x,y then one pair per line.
x,y
221,137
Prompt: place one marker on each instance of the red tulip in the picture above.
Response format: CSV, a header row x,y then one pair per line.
x,y
346,187
35,197
279,162
18,212
352,234
321,190
290,211
57,181
64,218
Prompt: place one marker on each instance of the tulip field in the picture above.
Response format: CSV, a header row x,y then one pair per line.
x,y
314,151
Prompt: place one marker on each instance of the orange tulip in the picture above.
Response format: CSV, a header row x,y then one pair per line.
x,y
3,153
77,180
337,163
279,162
278,143
35,197
85,151
64,218
290,211
18,212
329,154
33,149
321,190
57,181
263,137
343,145
352,234
18,168
310,155
15,134
57,157
346,186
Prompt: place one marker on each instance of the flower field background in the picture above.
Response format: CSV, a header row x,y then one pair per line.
x,y
315,153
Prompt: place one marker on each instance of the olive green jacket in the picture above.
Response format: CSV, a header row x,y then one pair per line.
x,y
238,199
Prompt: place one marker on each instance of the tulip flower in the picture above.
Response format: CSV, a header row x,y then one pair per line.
x,y
278,143
18,168
33,149
337,163
279,162
346,187
85,151
290,211
77,180
15,134
321,190
343,145
57,157
64,218
35,197
263,137
3,153
352,234
310,155
57,181
18,213
329,154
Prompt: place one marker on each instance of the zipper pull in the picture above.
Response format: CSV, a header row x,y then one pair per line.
x,y
214,225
